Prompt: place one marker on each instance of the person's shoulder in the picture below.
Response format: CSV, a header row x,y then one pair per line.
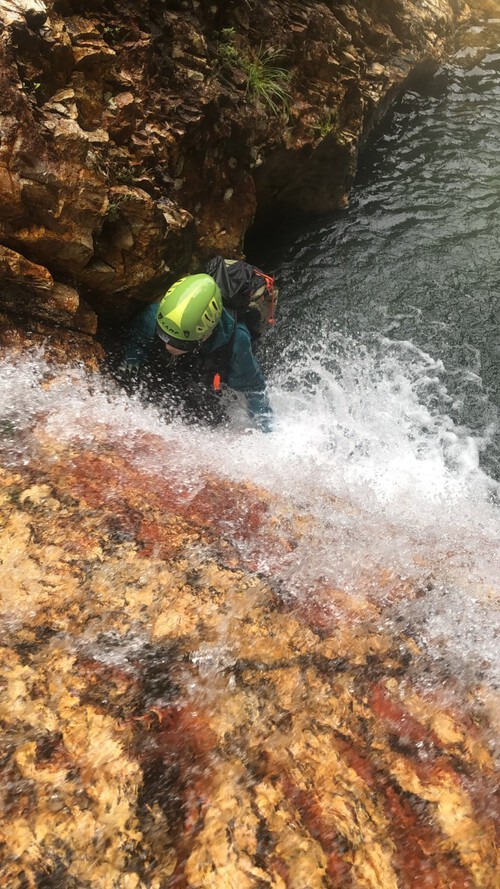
x,y
226,323
242,340
242,332
227,317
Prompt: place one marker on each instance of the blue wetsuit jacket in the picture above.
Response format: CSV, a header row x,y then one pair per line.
x,y
244,373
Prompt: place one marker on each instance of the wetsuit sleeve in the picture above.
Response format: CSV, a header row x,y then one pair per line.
x,y
246,376
140,335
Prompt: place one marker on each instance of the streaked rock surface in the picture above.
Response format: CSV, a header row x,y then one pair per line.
x,y
171,719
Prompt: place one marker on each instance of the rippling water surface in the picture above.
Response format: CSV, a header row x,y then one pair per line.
x,y
389,341
414,263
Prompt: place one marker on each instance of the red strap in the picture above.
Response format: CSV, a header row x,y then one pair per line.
x,y
269,279
216,383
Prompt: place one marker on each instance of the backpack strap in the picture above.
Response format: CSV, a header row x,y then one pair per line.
x,y
269,282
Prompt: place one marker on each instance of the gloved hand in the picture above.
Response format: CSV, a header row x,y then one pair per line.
x,y
129,375
130,368
264,422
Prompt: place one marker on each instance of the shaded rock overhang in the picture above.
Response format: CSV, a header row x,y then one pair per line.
x,y
138,139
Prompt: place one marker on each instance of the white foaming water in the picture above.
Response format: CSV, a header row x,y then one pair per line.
x,y
362,445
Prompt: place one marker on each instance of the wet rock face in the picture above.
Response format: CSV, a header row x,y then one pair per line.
x,y
139,138
170,720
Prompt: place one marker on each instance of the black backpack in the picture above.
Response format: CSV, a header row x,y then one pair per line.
x,y
247,292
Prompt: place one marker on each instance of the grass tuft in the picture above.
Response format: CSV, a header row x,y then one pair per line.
x,y
268,82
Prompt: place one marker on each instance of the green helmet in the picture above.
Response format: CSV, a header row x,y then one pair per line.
x,y
189,311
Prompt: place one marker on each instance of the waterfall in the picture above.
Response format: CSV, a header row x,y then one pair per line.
x,y
236,659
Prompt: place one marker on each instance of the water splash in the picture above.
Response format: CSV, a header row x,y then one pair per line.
x,y
363,446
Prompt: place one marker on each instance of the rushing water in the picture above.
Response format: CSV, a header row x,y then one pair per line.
x,y
384,374
388,380
414,264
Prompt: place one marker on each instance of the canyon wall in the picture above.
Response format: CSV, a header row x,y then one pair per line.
x,y
137,139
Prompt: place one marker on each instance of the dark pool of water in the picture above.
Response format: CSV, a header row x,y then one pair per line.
x,y
416,257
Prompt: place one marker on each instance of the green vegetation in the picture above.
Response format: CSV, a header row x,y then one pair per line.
x,y
31,86
227,52
265,80
327,124
113,211
113,33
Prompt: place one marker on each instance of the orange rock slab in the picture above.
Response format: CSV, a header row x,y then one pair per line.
x,y
168,720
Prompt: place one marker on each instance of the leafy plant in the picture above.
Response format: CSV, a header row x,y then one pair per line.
x,y
114,206
327,123
227,52
31,86
266,81
113,33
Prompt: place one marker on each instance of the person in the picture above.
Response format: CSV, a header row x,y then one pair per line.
x,y
191,327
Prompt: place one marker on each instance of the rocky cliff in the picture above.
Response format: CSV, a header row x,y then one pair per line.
x,y
137,138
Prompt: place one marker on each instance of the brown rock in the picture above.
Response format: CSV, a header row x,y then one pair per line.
x,y
168,720
91,54
108,119
59,345
21,11
18,274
